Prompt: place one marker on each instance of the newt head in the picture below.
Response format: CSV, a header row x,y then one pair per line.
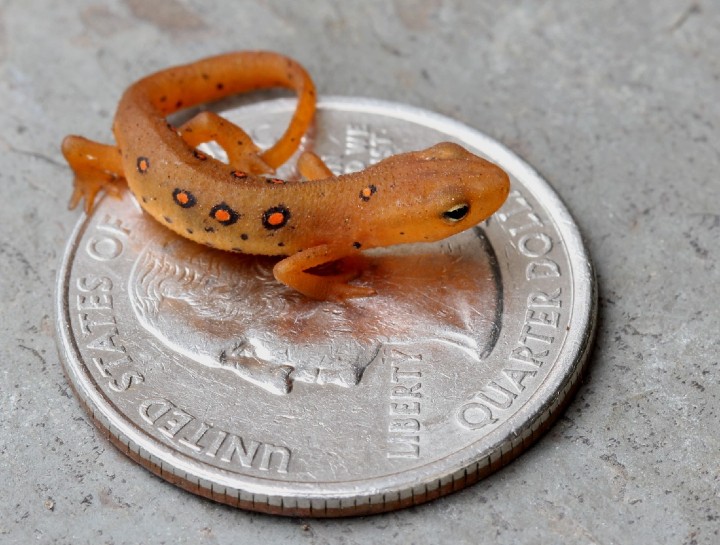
x,y
434,193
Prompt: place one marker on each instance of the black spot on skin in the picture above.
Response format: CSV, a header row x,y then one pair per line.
x,y
357,245
168,220
220,86
184,198
281,244
275,217
163,98
223,214
189,231
179,104
402,232
244,236
209,229
144,199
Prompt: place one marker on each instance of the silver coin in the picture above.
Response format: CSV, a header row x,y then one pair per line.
x,y
203,369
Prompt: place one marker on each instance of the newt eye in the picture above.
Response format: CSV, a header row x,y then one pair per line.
x,y
456,213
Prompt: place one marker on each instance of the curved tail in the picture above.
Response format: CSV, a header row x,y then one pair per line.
x,y
217,77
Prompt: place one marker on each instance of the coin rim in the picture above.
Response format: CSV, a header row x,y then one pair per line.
x,y
393,490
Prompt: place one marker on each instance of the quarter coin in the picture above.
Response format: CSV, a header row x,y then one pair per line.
x,y
202,368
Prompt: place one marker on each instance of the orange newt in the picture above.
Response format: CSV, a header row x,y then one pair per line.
x,y
424,195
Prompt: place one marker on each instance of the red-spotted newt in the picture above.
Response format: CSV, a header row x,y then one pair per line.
x,y
424,195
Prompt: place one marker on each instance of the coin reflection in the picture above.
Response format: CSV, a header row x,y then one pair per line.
x,y
227,312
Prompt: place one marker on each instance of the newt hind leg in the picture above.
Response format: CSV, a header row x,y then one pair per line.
x,y
292,271
96,166
312,167
243,154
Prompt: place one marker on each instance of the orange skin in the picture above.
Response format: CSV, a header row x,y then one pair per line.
x,y
425,195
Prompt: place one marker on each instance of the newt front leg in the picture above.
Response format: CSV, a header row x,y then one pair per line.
x,y
292,271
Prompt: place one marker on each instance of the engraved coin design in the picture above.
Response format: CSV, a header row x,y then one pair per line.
x,y
205,370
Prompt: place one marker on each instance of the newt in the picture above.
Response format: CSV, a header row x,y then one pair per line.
x,y
240,206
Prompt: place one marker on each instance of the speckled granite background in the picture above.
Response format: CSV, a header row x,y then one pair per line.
x,y
617,103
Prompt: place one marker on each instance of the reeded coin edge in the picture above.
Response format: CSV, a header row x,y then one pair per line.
x,y
351,506
385,496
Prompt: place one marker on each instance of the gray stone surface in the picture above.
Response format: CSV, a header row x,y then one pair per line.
x,y
616,103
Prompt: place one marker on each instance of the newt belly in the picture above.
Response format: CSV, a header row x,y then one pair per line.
x,y
424,195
